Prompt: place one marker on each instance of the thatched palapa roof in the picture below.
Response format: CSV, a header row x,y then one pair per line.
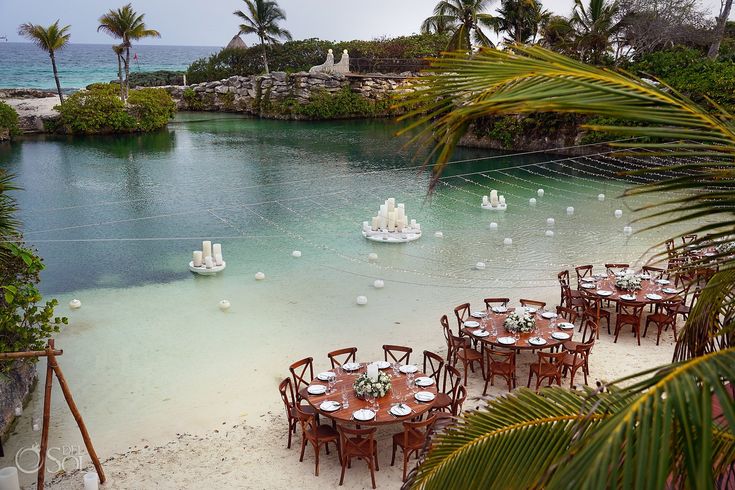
x,y
236,42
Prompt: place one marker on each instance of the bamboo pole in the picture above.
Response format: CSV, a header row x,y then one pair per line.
x,y
46,416
4,356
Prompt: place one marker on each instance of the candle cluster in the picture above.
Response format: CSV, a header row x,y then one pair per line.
x,y
391,222
209,257
495,202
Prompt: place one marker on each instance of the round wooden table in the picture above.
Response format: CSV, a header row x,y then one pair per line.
x,y
546,327
399,392
648,286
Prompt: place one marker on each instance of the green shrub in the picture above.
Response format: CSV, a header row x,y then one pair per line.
x,y
325,105
9,119
155,78
193,102
152,108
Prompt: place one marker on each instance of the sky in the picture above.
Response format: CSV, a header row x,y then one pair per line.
x,y
211,23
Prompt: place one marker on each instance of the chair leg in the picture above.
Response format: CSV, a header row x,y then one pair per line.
x,y
617,332
530,373
372,472
303,447
290,431
342,475
316,452
393,457
406,457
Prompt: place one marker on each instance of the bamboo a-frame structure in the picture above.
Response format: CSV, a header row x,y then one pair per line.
x,y
52,368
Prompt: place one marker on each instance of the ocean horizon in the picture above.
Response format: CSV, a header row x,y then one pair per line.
x,y
23,65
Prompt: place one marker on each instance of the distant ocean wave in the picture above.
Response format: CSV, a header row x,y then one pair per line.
x,y
23,65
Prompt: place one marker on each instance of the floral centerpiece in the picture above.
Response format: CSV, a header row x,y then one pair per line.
x,y
628,282
726,248
520,322
367,386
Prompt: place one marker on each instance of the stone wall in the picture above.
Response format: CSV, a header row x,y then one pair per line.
x,y
15,389
266,95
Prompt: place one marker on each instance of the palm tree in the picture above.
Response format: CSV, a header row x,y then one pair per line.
x,y
521,20
262,19
596,23
558,35
714,49
119,49
464,19
50,39
128,26
654,429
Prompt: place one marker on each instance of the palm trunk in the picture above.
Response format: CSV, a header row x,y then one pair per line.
x,y
265,56
127,72
119,76
56,76
714,48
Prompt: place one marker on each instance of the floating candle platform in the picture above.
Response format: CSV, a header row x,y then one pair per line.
x,y
391,225
207,261
495,203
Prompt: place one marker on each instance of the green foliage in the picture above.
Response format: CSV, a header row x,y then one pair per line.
x,y
26,322
100,110
193,103
9,119
509,129
155,78
324,105
294,56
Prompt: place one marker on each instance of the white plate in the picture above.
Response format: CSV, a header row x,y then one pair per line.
x,y
499,309
599,275
530,310
604,292
382,364
565,326
400,410
589,285
424,396
326,376
363,415
588,279
628,297
507,340
480,333
653,297
709,254
619,274
670,290
424,381
663,282
330,406
350,366
408,368
316,389
560,336
537,341
645,277
479,314
549,315
471,324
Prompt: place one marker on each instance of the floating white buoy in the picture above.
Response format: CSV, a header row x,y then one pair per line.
x,y
362,300
570,210
224,305
549,233
618,213
540,193
296,253
532,201
493,226
378,284
480,266
259,276
508,241
628,230
439,234
75,304
550,221
372,256
600,197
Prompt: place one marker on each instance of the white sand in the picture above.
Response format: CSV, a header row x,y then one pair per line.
x,y
40,107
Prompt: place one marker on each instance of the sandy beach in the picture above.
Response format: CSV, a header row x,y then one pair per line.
x,y
33,110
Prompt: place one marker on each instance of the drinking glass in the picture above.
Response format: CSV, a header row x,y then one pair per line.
x,y
332,383
345,400
396,368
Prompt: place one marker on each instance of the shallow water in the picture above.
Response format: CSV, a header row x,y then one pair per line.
x,y
150,355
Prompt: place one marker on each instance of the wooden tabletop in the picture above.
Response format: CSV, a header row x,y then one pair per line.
x,y
546,327
400,392
648,286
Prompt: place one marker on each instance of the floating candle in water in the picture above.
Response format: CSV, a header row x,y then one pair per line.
x,y
540,193
600,197
485,200
550,221
375,223
75,304
628,230
361,300
618,213
378,284
480,266
508,241
216,249
224,305
549,233
570,210
259,276
439,234
207,248
532,201
218,259
372,256
296,253
196,258
208,262
493,225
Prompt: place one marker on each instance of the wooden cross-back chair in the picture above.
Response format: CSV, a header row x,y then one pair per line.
x,y
342,356
397,353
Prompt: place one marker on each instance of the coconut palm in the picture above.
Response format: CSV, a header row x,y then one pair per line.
x,y
465,19
262,19
654,429
558,35
119,50
128,26
596,23
520,20
50,39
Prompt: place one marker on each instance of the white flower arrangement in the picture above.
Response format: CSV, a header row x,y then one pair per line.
x,y
628,282
726,248
367,386
517,322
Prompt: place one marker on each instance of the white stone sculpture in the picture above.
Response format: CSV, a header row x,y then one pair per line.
x,y
344,63
327,66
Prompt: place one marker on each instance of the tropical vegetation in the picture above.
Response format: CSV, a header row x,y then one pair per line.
x,y
8,120
521,20
463,20
50,39
262,19
654,429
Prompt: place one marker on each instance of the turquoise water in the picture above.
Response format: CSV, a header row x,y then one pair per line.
x,y
23,65
149,354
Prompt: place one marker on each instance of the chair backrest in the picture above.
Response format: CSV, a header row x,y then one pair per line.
x,y
444,320
631,309
500,356
582,350
554,358
563,278
452,380
583,271
462,312
489,302
417,432
459,400
693,299
613,268
286,390
670,248
533,303
397,353
302,373
687,239
341,356
655,272
567,314
356,441
590,331
592,307
307,421
433,364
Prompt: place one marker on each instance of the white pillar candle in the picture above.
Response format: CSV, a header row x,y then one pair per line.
x,y
502,199
485,200
218,259
197,258
532,201
365,226
493,225
402,206
549,233
383,210
9,478
216,249
570,210
383,222
417,226
375,224
391,205
600,197
550,221
208,262
391,221
413,223
540,193
207,248
494,197
618,213
91,481
372,371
